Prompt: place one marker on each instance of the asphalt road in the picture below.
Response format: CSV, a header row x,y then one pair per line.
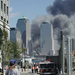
x,y
34,74
29,74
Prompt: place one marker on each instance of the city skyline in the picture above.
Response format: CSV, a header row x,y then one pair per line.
x,y
57,14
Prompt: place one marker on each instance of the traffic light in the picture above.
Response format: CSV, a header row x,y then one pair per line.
x,y
0,32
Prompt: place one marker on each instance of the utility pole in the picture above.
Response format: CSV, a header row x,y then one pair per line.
x,y
71,57
61,51
24,60
63,56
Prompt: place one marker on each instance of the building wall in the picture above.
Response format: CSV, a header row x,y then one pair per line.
x,y
4,15
28,37
15,35
46,39
12,35
21,25
24,26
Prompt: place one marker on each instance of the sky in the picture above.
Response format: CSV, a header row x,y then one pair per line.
x,y
28,8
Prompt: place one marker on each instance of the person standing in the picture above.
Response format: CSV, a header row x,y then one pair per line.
x,y
32,69
37,68
12,68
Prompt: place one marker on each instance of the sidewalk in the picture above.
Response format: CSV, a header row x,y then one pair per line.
x,y
26,71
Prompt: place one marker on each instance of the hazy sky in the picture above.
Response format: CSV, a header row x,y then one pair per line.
x,y
27,8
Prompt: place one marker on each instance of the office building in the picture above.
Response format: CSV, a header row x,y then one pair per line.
x,y
15,36
4,15
46,38
24,26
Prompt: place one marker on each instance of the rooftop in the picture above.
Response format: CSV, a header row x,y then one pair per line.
x,y
23,17
46,22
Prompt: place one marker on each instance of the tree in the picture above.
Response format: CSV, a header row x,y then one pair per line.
x,y
1,34
8,51
16,50
3,41
23,50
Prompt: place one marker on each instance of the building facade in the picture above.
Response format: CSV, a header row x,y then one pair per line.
x,y
15,36
46,38
24,26
4,15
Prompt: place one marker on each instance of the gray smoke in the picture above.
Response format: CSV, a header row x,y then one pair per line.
x,y
62,7
62,17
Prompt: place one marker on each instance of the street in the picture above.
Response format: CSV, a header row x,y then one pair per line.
x,y
28,73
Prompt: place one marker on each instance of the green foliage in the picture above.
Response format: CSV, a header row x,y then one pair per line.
x,y
0,41
15,50
1,34
5,32
8,50
3,46
24,50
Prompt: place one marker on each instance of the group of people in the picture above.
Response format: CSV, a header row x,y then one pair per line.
x,y
12,70
35,68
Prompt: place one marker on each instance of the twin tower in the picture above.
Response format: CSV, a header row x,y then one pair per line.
x,y
46,36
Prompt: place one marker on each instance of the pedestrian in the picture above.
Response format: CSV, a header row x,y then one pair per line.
x,y
37,69
32,69
12,68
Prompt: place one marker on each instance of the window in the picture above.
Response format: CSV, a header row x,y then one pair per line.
x,y
1,17
2,5
7,10
7,21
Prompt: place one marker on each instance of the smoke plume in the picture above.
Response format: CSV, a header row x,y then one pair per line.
x,y
62,16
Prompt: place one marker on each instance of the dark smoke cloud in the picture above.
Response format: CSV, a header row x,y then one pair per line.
x,y
62,7
62,17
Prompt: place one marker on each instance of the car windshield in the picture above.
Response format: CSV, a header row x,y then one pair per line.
x,y
47,65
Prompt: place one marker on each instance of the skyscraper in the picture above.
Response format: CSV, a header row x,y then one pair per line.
x,y
24,26
15,36
4,15
46,38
